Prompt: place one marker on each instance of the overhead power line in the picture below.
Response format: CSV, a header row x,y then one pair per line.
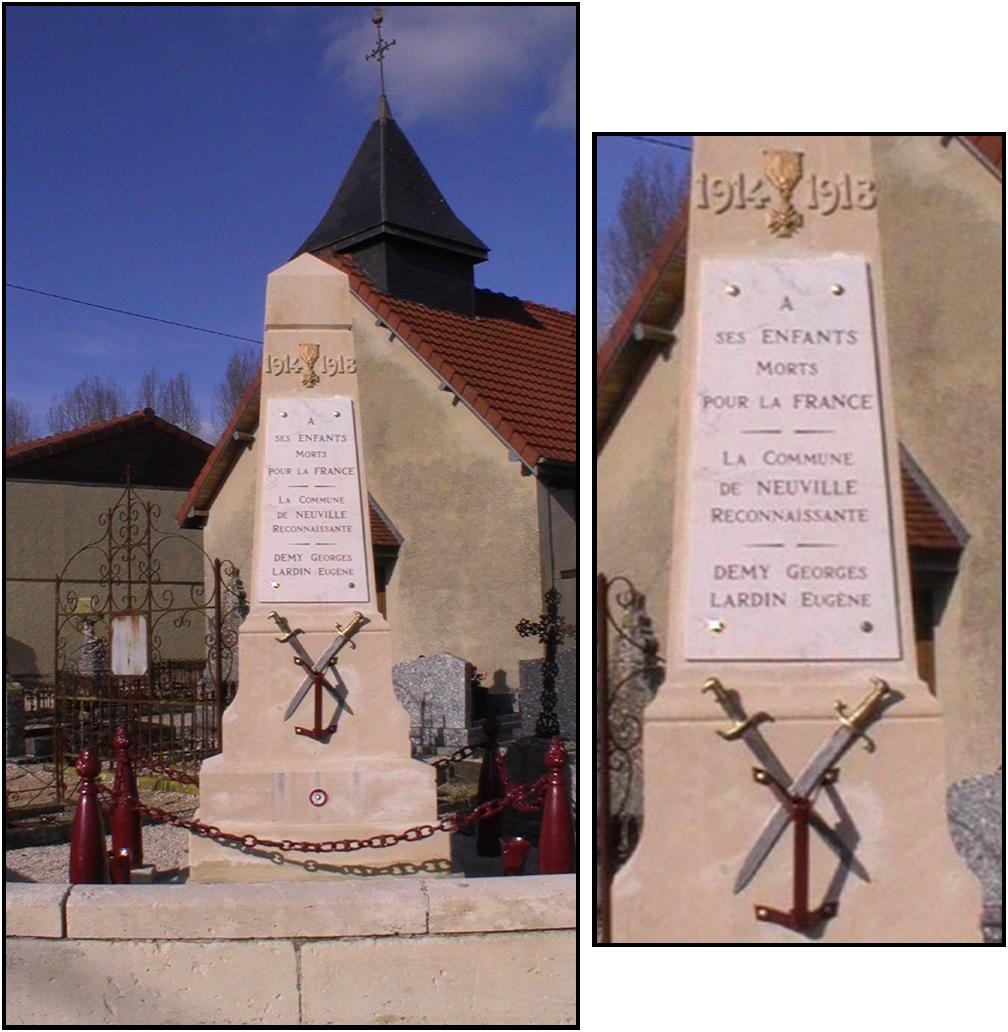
x,y
135,315
663,143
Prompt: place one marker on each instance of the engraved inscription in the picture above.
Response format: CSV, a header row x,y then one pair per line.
x,y
327,365
312,544
790,547
823,195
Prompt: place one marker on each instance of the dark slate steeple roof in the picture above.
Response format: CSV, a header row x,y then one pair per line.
x,y
387,191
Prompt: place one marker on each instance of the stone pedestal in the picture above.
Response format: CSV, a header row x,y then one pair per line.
x,y
270,781
703,811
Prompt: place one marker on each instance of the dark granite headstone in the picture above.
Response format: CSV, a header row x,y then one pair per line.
x,y
435,691
975,813
530,690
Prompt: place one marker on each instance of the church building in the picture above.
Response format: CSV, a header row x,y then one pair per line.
x,y
468,406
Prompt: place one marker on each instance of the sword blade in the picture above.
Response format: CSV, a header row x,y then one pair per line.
x,y
831,751
759,747
316,667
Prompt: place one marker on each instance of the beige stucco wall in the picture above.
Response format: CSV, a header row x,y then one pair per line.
x,y
468,568
44,525
940,222
635,475
941,217
387,951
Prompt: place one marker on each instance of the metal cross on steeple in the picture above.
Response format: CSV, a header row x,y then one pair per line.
x,y
380,47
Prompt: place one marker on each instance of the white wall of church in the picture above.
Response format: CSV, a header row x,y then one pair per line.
x,y
940,216
634,477
468,568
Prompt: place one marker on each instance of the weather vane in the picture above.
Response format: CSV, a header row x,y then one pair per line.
x,y
380,47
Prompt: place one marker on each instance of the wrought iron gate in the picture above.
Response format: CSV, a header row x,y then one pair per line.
x,y
628,673
172,706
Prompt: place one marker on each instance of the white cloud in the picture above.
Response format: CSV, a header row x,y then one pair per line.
x,y
561,111
454,60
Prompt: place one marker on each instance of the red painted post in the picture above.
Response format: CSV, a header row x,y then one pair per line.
x,y
488,830
88,863
125,819
556,841
515,851
119,866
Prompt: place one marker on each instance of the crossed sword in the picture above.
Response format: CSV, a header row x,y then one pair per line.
x,y
316,667
747,728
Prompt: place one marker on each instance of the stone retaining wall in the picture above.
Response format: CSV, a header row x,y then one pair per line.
x,y
499,951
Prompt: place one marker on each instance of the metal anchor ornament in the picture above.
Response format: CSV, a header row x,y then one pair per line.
x,y
316,671
799,810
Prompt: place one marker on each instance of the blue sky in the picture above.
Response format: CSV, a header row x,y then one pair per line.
x,y
165,159
616,156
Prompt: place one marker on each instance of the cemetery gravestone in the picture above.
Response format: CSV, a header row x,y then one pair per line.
x,y
793,584
435,691
326,755
530,678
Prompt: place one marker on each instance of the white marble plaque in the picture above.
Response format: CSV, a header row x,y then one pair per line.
x,y
790,554
129,645
312,545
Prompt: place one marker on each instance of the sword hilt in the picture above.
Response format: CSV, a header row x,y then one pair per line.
x,y
283,625
740,727
741,723
346,633
866,711
712,684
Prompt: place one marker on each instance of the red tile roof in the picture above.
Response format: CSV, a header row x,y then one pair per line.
x,y
157,453
990,146
925,526
515,362
18,454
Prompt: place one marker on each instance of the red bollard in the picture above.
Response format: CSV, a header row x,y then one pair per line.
x,y
125,819
556,841
490,787
88,862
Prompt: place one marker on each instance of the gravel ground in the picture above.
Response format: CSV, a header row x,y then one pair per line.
x,y
164,846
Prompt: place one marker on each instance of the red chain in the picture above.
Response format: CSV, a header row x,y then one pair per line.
x,y
184,777
527,798
460,754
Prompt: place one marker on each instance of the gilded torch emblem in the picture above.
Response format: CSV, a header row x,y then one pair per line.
x,y
309,355
784,170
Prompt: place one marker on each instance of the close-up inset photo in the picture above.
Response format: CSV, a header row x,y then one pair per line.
x,y
799,512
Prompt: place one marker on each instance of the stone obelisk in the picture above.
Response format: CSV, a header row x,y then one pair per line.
x,y
312,574
790,584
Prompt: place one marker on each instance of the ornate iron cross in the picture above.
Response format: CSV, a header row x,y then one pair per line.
x,y
551,631
380,47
